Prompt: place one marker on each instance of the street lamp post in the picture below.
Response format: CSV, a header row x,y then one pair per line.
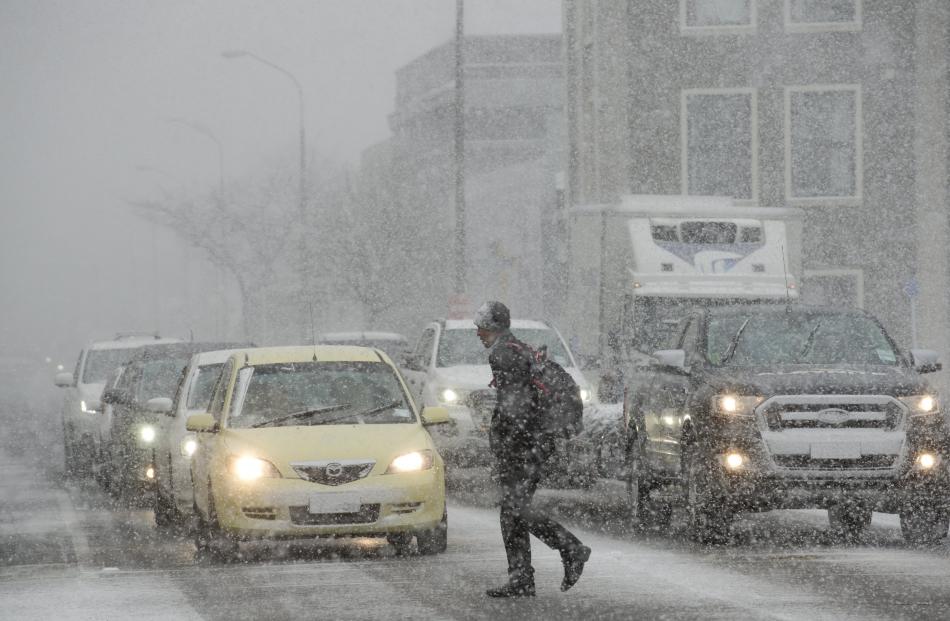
x,y
303,165
207,133
303,139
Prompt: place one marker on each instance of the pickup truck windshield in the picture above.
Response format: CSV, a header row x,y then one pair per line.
x,y
797,338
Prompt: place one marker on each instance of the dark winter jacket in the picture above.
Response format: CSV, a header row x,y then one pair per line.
x,y
516,431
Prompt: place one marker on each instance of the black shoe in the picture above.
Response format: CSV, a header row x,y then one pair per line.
x,y
513,589
574,566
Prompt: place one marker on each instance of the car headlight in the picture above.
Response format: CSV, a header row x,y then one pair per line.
x,y
147,434
189,445
920,405
450,396
585,395
89,408
247,468
735,405
411,462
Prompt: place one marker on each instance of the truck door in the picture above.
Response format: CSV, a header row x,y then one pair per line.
x,y
668,409
417,364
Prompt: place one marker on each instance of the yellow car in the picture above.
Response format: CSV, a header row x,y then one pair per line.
x,y
313,442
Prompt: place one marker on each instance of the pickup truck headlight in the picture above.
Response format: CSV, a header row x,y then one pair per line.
x,y
147,434
735,405
450,396
89,408
920,405
585,395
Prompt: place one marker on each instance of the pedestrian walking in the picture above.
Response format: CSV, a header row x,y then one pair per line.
x,y
520,444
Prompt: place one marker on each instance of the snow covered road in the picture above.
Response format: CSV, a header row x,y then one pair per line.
x,y
68,553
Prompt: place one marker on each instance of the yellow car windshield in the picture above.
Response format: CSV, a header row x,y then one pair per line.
x,y
318,393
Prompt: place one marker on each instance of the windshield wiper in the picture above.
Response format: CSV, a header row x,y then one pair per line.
x,y
810,341
375,410
731,350
302,414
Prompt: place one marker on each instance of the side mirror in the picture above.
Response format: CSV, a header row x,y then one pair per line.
x,y
434,415
64,380
201,422
673,358
925,360
159,405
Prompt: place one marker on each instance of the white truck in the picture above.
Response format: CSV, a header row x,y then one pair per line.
x,y
639,265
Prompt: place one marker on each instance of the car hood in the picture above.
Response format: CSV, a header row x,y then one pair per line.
x,y
476,377
283,446
820,379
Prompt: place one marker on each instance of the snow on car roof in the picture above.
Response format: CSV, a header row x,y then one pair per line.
x,y
362,336
516,324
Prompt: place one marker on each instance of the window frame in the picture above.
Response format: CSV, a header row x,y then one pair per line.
x,y
799,27
752,92
750,28
849,201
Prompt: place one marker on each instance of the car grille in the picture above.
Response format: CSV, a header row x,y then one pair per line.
x,y
334,472
482,405
865,462
301,516
831,412
260,513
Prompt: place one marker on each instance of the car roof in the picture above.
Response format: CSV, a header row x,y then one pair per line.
x,y
322,353
362,336
516,324
218,356
131,342
181,350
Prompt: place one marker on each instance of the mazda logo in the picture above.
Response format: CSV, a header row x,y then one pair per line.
x,y
833,416
334,470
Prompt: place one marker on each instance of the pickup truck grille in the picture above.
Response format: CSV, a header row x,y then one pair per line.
x,y
831,412
865,462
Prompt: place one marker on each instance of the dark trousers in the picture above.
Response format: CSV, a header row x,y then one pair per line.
x,y
518,483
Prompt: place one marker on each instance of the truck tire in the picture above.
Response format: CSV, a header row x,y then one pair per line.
x,y
924,524
643,512
848,520
708,519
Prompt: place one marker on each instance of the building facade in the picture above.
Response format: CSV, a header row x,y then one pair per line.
x,y
514,141
838,107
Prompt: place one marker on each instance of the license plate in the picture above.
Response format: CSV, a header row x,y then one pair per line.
x,y
335,502
836,450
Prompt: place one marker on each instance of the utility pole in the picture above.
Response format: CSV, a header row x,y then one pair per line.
x,y
460,251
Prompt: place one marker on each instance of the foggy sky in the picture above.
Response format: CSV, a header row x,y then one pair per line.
x,y
88,87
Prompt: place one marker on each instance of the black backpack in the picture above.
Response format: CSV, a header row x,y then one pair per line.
x,y
557,395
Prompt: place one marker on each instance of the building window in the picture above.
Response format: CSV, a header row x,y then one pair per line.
x,y
823,155
833,287
720,143
717,16
822,15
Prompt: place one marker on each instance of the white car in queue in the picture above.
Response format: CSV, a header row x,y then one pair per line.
x,y
175,445
303,442
449,368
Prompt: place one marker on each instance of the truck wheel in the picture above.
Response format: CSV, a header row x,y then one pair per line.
x,y
166,514
434,541
924,525
707,518
641,510
848,521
